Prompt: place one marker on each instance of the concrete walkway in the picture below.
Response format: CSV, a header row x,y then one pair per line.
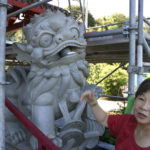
x,y
108,105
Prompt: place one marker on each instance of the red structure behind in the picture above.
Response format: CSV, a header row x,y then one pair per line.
x,y
11,25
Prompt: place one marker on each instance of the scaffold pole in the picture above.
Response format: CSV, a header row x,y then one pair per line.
x,y
140,41
132,46
3,16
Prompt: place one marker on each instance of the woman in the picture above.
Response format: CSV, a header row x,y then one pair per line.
x,y
132,130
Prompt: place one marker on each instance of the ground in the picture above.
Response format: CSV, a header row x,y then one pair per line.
x,y
110,105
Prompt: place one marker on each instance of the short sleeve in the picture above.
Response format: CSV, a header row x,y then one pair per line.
x,y
116,123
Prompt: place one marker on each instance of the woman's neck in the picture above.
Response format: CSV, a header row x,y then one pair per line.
x,y
143,127
142,135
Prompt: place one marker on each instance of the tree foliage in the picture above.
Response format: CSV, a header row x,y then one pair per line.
x,y
15,36
77,14
146,28
112,84
105,21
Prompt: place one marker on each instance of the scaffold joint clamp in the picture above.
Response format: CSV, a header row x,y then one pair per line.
x,y
5,5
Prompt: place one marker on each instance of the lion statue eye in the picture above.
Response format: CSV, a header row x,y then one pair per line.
x,y
75,33
45,40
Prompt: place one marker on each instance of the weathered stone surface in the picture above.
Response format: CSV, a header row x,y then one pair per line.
x,y
48,92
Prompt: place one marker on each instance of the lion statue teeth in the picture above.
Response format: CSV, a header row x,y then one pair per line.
x,y
49,90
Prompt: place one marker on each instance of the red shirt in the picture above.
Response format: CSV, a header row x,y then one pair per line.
x,y
123,127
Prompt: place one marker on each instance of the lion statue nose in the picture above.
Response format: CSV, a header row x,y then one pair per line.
x,y
59,39
66,35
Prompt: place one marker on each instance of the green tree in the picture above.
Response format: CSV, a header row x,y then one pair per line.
x,y
15,36
105,21
115,18
112,84
76,11
146,28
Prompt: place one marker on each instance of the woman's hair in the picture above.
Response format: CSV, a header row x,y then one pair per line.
x,y
144,87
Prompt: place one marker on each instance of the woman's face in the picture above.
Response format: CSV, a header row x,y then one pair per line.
x,y
142,108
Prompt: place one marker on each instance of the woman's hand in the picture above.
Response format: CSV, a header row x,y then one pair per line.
x,y
88,96
100,115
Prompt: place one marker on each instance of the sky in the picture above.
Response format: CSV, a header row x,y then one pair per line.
x,y
101,8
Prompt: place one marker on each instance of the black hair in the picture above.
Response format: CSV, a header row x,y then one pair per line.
x,y
144,87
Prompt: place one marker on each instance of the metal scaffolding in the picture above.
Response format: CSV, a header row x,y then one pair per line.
x,y
3,15
132,46
140,41
135,51
133,68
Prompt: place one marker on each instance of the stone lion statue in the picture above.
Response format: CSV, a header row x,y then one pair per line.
x,y
48,91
